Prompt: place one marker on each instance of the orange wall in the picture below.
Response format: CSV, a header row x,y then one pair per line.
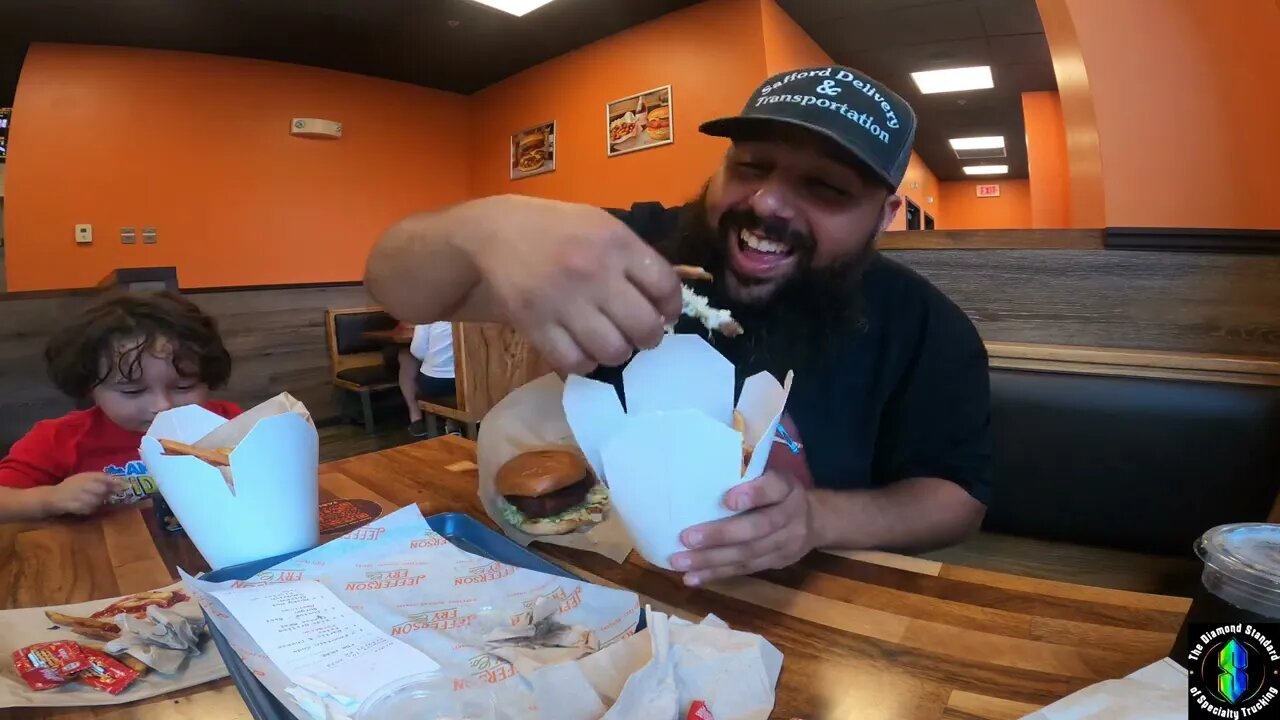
x,y
712,54
198,146
1186,116
967,211
1049,170
786,45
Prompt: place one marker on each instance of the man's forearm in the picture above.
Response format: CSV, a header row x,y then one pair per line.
x,y
912,515
421,272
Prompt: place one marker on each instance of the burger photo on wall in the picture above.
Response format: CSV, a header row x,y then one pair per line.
x,y
533,151
550,491
658,125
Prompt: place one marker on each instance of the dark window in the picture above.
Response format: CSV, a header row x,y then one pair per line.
x,y
928,221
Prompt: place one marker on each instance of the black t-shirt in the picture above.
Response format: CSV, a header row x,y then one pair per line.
x,y
905,394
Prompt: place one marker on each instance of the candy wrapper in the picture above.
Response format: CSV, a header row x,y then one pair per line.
x,y
72,651
532,418
441,605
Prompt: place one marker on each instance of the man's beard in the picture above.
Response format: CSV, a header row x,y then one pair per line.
x,y
798,325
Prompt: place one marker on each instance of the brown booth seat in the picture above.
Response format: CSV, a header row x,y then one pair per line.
x,y
356,363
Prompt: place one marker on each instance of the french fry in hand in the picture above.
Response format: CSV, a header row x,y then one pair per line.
x,y
217,456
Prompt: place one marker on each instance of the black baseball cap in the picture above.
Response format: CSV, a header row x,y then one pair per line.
x,y
858,113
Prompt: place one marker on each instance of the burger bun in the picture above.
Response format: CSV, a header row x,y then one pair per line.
x,y
540,472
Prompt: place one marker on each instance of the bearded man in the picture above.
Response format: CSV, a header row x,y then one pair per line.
x,y
884,442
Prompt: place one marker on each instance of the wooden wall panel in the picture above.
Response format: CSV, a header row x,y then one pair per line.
x,y
1184,302
275,336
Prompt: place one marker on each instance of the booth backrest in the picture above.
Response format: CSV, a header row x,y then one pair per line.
x,y
1131,463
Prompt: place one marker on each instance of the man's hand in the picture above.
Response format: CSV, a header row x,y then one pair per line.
x,y
776,529
79,494
573,280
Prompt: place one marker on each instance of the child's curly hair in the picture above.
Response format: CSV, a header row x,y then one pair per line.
x,y
83,354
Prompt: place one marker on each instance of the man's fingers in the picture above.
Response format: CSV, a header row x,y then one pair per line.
x,y
715,557
738,569
638,320
739,529
558,348
770,488
654,277
599,338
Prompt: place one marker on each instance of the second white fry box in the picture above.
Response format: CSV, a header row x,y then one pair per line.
x,y
265,504
672,454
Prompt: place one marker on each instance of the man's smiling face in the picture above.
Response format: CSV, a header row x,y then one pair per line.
x,y
786,203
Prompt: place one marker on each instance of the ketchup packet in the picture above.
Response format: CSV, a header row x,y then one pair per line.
x,y
49,664
106,673
698,711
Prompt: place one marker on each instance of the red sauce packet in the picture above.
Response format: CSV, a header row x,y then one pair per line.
x,y
50,664
698,711
106,673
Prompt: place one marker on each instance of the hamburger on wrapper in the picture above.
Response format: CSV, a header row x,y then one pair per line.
x,y
550,492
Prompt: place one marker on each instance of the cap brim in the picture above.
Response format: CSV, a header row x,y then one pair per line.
x,y
741,126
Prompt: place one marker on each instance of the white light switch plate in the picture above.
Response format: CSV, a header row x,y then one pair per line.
x,y
84,234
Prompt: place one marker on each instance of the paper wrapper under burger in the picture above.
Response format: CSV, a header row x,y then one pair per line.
x,y
265,504
532,418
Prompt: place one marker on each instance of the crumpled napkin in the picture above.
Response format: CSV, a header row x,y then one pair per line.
x,y
1156,692
162,640
659,672
321,701
539,639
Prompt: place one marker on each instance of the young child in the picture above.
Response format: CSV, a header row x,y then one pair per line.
x,y
134,355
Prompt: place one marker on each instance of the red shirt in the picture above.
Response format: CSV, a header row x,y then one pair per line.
x,y
84,441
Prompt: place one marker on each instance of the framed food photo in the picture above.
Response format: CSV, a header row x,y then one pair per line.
x,y
639,122
533,151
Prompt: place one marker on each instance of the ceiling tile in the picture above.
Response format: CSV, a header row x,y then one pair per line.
x,y
1032,48
1010,17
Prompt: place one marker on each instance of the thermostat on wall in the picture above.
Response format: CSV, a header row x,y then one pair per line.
x,y
314,127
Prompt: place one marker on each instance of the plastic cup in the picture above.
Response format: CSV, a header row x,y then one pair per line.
x,y
429,697
1240,582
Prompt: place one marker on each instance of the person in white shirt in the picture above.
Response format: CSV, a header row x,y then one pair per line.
x,y
426,370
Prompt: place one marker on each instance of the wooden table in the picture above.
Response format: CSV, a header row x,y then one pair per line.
x,y
866,635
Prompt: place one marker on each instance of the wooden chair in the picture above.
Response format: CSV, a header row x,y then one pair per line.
x,y
356,363
489,362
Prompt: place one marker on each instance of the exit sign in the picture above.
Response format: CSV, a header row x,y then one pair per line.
x,y
988,191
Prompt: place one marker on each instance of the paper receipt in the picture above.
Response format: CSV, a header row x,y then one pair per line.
x,y
308,633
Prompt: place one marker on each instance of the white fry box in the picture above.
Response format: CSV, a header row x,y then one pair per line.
x,y
671,456
266,504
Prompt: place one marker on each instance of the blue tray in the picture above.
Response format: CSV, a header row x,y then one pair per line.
x,y
461,530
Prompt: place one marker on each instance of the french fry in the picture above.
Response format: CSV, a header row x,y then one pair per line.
x,y
740,424
86,627
218,456
692,272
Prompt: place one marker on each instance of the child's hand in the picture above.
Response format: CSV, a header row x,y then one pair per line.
x,y
81,494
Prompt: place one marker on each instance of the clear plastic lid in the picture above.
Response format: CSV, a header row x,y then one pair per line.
x,y
1242,565
429,697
